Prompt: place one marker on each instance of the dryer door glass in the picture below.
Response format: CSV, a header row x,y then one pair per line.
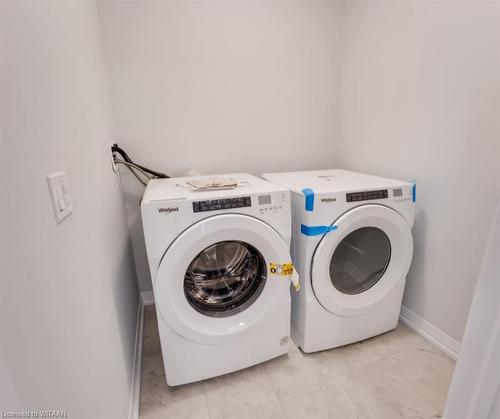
x,y
225,278
360,260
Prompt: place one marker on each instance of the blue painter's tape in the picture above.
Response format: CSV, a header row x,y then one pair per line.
x,y
414,192
309,194
316,230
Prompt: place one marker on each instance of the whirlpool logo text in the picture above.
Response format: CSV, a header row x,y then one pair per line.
x,y
168,210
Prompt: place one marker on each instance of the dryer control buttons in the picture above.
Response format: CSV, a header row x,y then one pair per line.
x,y
222,204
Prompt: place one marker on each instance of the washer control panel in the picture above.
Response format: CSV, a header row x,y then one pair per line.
x,y
222,204
271,202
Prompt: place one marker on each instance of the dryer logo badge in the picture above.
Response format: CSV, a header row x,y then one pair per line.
x,y
328,200
168,210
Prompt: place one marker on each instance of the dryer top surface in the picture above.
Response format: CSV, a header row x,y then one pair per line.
x,y
328,181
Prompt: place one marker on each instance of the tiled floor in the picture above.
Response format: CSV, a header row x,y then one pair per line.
x,y
396,375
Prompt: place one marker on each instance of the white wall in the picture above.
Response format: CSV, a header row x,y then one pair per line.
x,y
474,390
221,86
495,408
68,296
253,85
9,398
420,98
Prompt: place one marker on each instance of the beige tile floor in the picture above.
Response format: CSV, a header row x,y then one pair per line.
x,y
395,375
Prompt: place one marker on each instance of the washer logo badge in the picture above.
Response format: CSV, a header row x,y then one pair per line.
x,y
285,269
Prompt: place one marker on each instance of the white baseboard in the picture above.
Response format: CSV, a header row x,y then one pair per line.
x,y
430,332
135,387
148,298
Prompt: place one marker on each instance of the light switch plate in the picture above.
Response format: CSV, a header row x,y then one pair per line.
x,y
60,195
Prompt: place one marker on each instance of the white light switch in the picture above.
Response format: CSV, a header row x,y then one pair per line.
x,y
60,195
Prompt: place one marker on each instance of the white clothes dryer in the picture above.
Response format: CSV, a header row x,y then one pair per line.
x,y
220,267
352,246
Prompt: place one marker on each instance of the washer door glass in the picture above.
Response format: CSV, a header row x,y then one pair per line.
x,y
360,260
225,278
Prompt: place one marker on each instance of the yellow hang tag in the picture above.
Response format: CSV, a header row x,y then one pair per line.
x,y
285,269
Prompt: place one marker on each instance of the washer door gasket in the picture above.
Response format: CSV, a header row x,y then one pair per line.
x,y
225,278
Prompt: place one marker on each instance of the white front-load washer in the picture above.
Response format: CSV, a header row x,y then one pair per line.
x,y
221,270
352,247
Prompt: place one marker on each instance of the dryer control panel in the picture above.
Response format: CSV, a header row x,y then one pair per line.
x,y
367,195
221,204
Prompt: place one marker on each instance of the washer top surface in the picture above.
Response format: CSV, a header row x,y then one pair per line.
x,y
179,188
328,181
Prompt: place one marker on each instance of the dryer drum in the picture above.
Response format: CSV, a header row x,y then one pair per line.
x,y
225,278
360,260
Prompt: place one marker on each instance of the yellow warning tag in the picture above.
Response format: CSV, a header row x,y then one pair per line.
x,y
285,269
